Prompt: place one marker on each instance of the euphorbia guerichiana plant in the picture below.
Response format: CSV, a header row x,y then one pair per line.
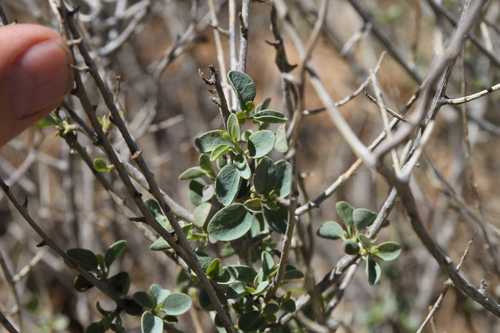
x,y
239,193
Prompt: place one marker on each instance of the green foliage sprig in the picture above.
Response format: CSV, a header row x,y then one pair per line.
x,y
354,223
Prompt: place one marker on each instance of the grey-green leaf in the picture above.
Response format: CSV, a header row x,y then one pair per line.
x,y
273,176
192,173
261,143
151,323
227,184
331,230
219,151
115,251
85,258
281,143
270,117
120,282
388,251
283,178
230,223
344,211
144,299
363,217
233,126
373,271
208,141
243,85
158,293
176,304
201,213
159,245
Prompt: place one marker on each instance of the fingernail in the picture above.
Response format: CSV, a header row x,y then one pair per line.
x,y
39,78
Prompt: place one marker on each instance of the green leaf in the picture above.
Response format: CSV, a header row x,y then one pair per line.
x,y
264,176
120,283
331,230
219,151
281,143
344,211
267,263
144,299
277,177
196,189
250,321
230,223
176,304
213,268
160,218
277,218
242,164
351,247
158,293
208,141
159,245
132,307
388,251
363,218
243,85
233,126
151,323
115,251
206,165
292,273
242,273
260,143
254,205
81,284
102,166
373,271
201,214
192,173
283,178
83,257
227,184
270,117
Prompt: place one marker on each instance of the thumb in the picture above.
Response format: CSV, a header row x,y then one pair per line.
x,y
34,76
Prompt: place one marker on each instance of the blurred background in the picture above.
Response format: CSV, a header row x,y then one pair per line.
x,y
151,52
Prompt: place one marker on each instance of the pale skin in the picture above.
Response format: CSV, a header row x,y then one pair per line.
x,y
35,74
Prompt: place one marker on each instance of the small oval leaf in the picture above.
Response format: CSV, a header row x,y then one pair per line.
x,y
331,230
243,85
233,127
227,184
115,251
85,258
192,173
388,251
270,117
151,323
363,218
261,143
208,141
177,304
230,223
344,211
373,271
